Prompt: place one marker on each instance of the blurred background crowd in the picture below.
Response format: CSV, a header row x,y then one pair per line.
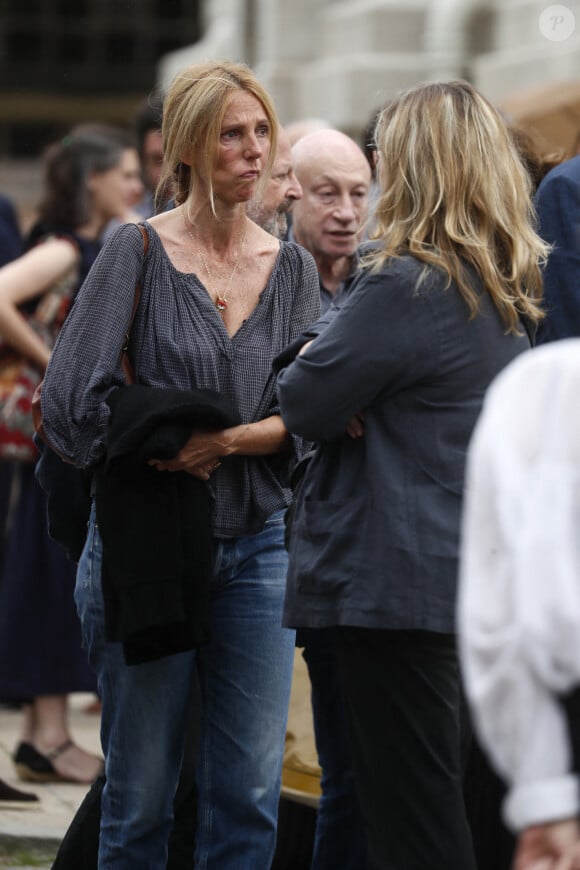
x,y
63,63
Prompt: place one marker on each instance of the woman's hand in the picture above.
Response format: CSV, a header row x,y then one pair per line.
x,y
203,451
200,455
355,426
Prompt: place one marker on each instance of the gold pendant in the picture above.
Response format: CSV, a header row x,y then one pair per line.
x,y
221,303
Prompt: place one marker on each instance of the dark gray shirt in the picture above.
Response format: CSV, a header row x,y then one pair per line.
x,y
375,534
178,340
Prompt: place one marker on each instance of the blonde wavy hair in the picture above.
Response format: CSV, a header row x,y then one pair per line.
x,y
193,111
455,192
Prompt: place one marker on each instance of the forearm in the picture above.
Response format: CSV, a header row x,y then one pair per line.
x,y
256,439
205,450
28,278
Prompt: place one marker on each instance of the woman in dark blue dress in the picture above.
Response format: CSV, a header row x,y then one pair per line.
x,y
88,181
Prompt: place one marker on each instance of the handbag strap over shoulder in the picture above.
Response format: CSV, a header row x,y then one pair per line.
x,y
126,364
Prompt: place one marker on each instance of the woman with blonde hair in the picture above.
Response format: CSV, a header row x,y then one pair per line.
x,y
183,573
391,389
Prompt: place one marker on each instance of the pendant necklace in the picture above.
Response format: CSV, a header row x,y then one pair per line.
x,y
221,299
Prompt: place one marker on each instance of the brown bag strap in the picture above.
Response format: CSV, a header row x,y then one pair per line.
x,y
126,364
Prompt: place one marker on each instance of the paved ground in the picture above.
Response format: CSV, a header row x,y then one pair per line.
x,y
30,838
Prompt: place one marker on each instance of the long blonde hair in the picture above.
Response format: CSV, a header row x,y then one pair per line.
x,y
193,112
454,192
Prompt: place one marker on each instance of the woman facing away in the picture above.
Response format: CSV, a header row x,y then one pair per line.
x,y
219,299
88,181
391,389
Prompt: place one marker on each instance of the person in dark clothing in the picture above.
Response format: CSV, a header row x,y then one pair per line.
x,y
147,127
391,389
10,235
558,207
10,248
85,185
329,222
483,789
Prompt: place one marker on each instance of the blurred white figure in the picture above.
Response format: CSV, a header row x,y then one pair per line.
x,y
519,597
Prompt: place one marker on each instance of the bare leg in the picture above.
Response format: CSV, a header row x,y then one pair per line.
x,y
27,727
45,726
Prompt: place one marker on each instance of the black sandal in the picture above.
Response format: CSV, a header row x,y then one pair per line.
x,y
32,766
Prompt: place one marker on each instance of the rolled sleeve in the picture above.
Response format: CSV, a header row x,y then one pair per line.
x,y
542,801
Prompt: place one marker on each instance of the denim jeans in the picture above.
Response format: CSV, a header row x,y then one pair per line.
x,y
245,674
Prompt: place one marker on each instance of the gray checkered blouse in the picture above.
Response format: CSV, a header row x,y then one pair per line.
x,y
178,340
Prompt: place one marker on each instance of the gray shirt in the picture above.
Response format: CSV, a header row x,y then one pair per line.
x,y
178,340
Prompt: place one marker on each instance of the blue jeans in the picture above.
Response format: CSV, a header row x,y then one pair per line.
x,y
245,675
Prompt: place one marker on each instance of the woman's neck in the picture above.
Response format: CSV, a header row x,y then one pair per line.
x,y
215,232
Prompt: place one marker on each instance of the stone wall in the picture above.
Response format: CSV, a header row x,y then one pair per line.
x,y
340,59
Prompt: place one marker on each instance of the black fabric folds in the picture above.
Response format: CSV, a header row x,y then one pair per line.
x,y
156,526
68,491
